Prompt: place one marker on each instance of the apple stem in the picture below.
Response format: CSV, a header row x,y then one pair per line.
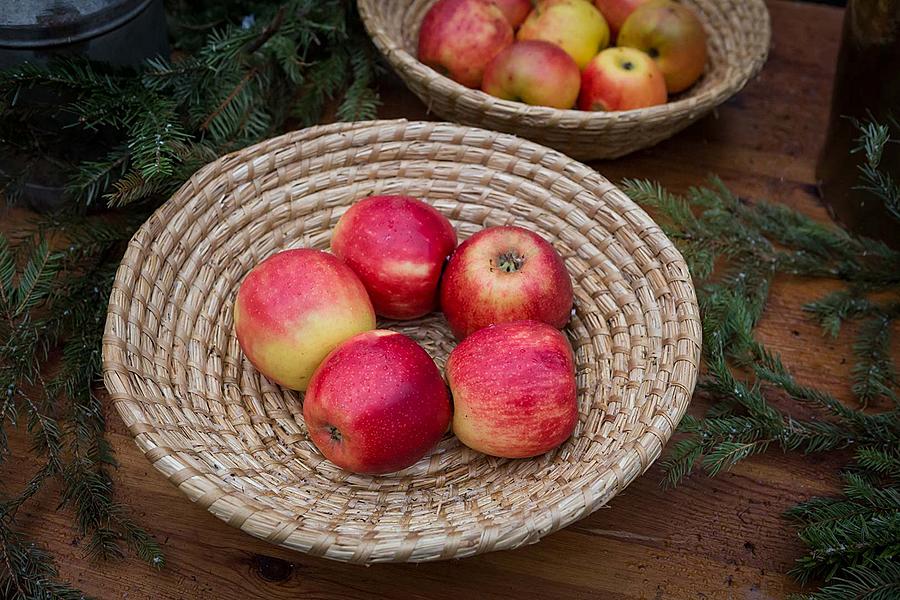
x,y
335,433
510,262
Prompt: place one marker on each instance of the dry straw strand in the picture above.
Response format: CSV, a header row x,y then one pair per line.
x,y
236,445
739,37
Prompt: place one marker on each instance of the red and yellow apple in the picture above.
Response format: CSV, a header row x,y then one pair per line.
x,y
616,11
376,404
621,79
505,274
293,308
397,245
515,10
514,392
534,72
673,36
458,38
576,26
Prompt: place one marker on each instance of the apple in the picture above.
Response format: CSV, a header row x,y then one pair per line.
x,y
616,11
515,10
376,404
534,72
397,245
505,274
673,36
621,79
576,26
293,308
458,38
514,392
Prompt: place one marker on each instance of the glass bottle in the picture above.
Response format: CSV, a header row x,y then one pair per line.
x,y
867,85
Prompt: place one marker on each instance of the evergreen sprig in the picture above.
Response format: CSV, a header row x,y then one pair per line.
x,y
247,69
735,249
244,70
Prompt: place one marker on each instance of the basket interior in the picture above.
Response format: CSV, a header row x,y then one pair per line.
x,y
235,442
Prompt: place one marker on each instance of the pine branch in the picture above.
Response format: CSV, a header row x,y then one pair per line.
x,y
36,278
878,580
873,374
27,571
734,249
872,140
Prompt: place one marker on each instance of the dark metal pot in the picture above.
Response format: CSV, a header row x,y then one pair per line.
x,y
118,32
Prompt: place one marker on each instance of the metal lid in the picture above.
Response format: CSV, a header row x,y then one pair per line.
x,y
41,23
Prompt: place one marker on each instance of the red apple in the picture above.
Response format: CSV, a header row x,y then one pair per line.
x,y
616,11
505,274
513,387
293,308
673,36
458,38
534,72
397,245
515,10
377,404
573,25
621,79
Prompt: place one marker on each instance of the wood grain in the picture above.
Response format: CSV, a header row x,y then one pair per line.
x,y
710,538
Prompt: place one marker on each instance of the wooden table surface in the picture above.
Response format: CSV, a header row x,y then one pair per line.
x,y
709,538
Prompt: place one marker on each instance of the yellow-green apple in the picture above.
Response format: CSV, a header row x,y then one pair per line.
x,y
576,26
293,308
616,11
376,404
458,38
673,36
505,274
397,245
513,387
533,72
621,79
515,10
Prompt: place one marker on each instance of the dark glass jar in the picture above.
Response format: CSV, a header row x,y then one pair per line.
x,y
867,85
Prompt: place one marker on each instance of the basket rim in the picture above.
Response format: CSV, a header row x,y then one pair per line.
x,y
235,506
408,66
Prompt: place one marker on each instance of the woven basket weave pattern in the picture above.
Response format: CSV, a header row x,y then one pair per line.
x,y
739,35
235,443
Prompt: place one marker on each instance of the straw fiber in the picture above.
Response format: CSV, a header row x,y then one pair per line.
x,y
235,443
739,35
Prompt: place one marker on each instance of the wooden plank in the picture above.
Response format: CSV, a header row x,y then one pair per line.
x,y
710,538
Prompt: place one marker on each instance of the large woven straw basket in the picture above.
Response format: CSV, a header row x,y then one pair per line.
x,y
739,35
235,443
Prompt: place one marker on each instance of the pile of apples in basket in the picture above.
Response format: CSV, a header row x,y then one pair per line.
x,y
375,400
556,52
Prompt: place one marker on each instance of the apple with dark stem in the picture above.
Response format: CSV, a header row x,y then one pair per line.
x,y
673,36
621,79
505,274
514,390
376,404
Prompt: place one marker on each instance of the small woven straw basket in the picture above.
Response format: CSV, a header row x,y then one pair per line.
x,y
235,443
739,34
